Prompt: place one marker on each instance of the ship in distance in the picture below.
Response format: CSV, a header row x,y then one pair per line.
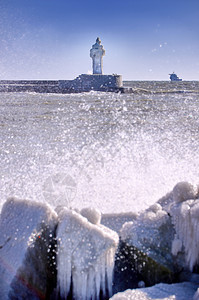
x,y
174,77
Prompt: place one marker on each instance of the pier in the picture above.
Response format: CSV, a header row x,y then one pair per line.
x,y
83,83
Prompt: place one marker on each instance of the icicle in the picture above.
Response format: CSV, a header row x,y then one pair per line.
x,y
86,255
64,274
79,284
185,218
103,273
110,265
176,246
98,278
91,284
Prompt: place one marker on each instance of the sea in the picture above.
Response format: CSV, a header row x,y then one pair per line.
x,y
111,151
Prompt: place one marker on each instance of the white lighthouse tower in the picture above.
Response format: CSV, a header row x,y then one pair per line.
x,y
96,81
96,53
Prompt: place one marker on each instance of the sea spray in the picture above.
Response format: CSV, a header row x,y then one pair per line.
x,y
122,151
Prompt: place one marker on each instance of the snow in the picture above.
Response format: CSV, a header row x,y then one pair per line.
x,y
161,291
22,223
86,254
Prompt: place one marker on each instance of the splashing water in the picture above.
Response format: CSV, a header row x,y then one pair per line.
x,y
122,152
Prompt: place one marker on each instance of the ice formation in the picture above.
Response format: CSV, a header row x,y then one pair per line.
x,y
196,295
185,217
147,245
26,229
183,191
145,226
183,207
93,215
85,256
177,291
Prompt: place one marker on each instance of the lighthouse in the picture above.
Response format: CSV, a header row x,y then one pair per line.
x,y
96,53
96,81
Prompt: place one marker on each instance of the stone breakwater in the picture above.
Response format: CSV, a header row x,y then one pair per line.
x,y
71,254
83,83
54,254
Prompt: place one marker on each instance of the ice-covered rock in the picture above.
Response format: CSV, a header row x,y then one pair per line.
x,y
85,259
166,234
177,291
27,266
185,217
184,211
183,191
93,215
145,250
151,233
147,244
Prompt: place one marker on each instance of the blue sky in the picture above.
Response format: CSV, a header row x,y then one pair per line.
x,y
143,39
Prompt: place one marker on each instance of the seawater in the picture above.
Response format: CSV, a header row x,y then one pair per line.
x,y
115,152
